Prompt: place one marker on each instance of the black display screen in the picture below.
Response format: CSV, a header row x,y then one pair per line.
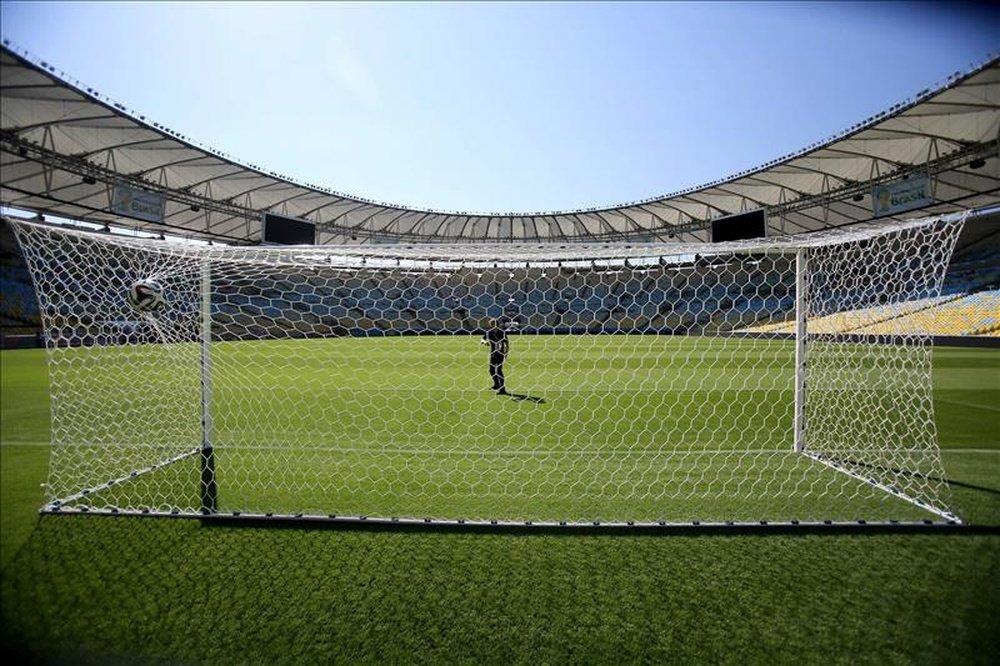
x,y
738,227
279,230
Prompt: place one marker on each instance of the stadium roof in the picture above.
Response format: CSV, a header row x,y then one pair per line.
x,y
63,147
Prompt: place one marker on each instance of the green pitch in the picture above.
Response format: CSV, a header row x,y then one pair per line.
x,y
596,428
89,589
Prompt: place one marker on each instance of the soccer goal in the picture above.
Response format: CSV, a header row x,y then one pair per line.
x,y
645,384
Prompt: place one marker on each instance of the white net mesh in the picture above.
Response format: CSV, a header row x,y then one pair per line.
x,y
641,384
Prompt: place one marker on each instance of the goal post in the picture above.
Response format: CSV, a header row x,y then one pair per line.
x,y
771,380
801,319
209,486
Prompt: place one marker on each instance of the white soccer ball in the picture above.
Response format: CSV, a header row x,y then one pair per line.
x,y
146,296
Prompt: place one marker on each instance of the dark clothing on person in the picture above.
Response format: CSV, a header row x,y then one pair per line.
x,y
497,339
496,371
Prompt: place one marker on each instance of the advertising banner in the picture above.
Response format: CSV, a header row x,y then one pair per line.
x,y
902,195
139,204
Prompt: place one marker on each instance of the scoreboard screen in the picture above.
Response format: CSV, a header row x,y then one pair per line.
x,y
280,230
738,227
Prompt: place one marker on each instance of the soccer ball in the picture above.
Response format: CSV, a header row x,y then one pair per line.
x,y
146,296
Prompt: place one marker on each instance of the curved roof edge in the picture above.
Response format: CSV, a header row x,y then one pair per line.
x,y
946,129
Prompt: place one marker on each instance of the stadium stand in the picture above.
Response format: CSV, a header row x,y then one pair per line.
x,y
961,314
652,299
969,304
19,318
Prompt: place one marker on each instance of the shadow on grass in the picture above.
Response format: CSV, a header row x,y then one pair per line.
x,y
95,589
917,475
521,397
694,529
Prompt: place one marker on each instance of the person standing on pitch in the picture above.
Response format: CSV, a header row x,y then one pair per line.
x,y
496,338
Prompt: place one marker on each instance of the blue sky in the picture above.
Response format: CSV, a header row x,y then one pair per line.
x,y
506,107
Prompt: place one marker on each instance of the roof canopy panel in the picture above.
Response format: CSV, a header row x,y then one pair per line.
x,y
63,145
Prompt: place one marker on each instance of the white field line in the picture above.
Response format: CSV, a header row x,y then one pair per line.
x,y
970,450
973,405
222,446
502,452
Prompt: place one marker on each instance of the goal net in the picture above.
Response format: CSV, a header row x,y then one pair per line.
x,y
643,383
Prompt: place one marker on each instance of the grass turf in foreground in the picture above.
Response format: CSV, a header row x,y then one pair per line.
x,y
99,590
113,589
